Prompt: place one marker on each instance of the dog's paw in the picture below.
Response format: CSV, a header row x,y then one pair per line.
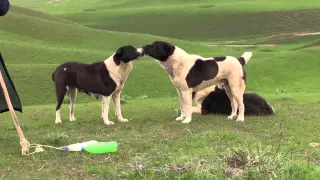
x,y
123,120
58,121
240,119
186,121
108,123
72,119
232,117
180,118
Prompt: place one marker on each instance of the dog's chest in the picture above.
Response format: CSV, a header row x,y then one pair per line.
x,y
121,74
174,69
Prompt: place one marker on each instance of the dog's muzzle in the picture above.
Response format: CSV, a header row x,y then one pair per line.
x,y
140,51
145,50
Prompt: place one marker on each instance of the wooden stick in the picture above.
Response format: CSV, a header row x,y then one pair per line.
x,y
23,141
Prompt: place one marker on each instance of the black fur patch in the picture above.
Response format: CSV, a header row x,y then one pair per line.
x,y
244,77
193,94
116,60
201,71
222,58
217,102
242,61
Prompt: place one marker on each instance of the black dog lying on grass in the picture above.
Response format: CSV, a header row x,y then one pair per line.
x,y
4,7
215,100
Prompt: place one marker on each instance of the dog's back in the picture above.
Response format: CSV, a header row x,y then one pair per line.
x,y
217,102
67,71
86,78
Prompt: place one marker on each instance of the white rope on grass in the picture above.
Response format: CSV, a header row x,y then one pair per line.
x,y
38,147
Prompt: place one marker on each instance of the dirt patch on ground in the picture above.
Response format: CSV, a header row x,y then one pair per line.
x,y
54,2
235,167
306,34
243,45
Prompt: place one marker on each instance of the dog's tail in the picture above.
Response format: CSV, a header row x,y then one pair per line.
x,y
244,59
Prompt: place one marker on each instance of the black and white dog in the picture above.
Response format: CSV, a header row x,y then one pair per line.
x,y
214,100
190,73
105,78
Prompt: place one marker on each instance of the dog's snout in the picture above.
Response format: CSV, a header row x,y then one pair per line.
x,y
145,49
140,51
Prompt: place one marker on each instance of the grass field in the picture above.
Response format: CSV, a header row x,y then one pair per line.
x,y
37,35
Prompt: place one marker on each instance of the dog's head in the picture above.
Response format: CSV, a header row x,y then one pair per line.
x,y
127,53
159,50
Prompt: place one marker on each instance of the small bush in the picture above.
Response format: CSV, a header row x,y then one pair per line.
x,y
56,138
142,97
282,92
252,162
124,99
178,112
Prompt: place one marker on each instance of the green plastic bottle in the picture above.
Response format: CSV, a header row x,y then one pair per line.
x,y
101,147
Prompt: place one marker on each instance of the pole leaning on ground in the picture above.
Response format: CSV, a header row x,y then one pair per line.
x,y
23,141
4,8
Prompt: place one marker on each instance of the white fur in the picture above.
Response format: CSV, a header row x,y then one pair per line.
x,y
58,118
140,50
73,96
247,56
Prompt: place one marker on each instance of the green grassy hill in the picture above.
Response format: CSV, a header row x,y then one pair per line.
x,y
205,20
153,145
43,41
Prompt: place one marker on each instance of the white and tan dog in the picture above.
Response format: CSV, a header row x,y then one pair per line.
x,y
190,73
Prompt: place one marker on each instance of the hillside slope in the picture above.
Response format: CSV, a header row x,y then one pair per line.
x,y
204,20
34,43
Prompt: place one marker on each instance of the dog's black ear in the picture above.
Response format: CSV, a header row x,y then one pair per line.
x,y
169,49
117,56
119,52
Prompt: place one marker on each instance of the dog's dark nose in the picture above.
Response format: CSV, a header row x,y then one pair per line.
x,y
145,50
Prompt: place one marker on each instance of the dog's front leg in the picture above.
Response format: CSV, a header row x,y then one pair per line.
x,y
102,114
182,114
187,105
198,100
73,96
105,111
233,102
117,105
